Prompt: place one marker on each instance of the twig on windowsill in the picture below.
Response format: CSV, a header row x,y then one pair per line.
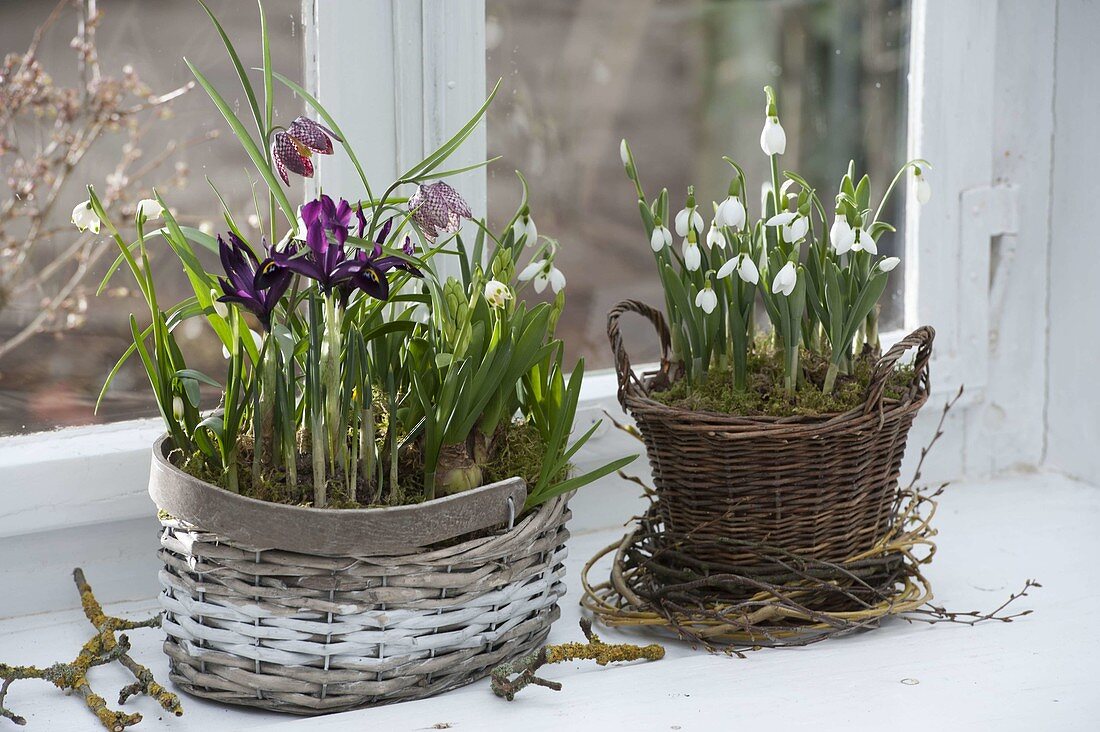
x,y
103,648
510,678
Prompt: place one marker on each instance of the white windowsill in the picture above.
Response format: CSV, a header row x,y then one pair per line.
x,y
1035,673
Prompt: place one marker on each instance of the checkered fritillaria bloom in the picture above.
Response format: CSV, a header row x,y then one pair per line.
x,y
438,209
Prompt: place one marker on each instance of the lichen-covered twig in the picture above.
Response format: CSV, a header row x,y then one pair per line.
x,y
509,678
102,648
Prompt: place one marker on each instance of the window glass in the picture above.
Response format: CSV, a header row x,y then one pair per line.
x,y
682,80
58,340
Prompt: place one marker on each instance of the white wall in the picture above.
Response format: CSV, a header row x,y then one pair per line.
x,y
1073,422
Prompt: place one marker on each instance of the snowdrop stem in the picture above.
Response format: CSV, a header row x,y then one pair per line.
x,y
914,163
830,377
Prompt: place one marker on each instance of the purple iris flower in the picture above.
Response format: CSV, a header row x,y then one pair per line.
x,y
254,285
323,258
371,279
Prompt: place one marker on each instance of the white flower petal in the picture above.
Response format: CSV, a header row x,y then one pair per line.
x,y
707,299
692,257
747,271
150,208
668,235
541,281
864,242
888,264
518,229
531,231
732,212
557,280
924,190
841,235
781,219
696,220
715,238
773,140
727,269
657,239
84,218
623,154
682,222
796,230
531,270
497,293
785,280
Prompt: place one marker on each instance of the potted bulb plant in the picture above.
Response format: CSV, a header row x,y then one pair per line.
x,y
372,506
782,443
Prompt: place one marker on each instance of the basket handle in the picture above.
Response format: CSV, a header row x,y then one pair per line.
x,y
626,377
921,339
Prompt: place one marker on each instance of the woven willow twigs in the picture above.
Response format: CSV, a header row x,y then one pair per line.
x,y
102,648
309,634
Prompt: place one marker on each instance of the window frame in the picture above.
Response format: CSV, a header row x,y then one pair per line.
x,y
90,474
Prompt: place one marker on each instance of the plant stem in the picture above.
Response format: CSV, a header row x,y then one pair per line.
x,y
830,377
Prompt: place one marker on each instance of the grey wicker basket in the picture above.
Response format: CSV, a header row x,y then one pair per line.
x,y
311,611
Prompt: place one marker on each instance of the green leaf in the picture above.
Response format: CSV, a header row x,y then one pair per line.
x,y
238,67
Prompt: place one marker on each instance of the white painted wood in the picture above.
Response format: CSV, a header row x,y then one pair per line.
x,y
1073,422
1024,675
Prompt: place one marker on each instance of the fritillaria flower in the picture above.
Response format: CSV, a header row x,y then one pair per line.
x,y
707,299
84,218
497,293
254,285
888,264
438,209
744,266
785,280
292,148
660,238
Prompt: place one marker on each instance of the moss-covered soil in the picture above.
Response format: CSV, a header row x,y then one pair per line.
x,y
766,396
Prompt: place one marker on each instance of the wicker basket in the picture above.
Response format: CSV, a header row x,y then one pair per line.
x,y
817,487
310,611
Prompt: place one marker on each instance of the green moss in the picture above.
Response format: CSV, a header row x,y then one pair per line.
x,y
766,396
517,450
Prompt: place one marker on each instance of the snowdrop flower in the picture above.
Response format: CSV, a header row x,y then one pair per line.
x,y
688,214
661,238
888,264
497,293
863,242
715,237
744,266
624,154
795,225
84,218
525,226
150,209
773,140
924,189
707,299
692,256
177,408
543,272
841,235
731,213
785,280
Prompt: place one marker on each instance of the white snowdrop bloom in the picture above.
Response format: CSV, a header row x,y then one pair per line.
x,y
841,235
888,264
731,213
688,214
84,218
692,256
177,408
795,226
150,209
660,238
497,293
773,140
924,188
863,242
785,280
707,299
715,237
525,226
781,219
744,266
542,273
623,154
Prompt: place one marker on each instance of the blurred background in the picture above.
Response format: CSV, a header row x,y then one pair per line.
x,y
681,79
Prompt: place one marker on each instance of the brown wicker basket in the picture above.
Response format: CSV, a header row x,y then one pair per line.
x,y
821,487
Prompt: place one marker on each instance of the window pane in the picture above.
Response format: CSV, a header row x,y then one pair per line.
x,y
55,357
682,80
